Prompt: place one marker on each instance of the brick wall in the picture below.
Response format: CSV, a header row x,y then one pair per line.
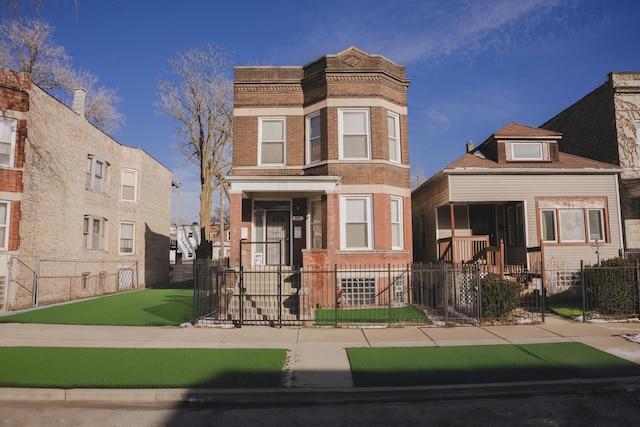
x,y
351,75
55,198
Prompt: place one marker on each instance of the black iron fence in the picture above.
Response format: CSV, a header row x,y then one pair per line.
x,y
608,291
339,295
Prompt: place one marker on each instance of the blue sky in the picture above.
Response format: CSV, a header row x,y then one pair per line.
x,y
475,65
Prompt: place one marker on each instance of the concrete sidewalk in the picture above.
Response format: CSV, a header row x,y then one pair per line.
x,y
317,357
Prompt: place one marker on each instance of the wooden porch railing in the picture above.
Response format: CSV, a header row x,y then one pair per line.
x,y
473,249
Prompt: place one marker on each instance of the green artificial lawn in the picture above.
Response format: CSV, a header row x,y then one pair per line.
x,y
147,307
64,367
568,309
413,366
406,314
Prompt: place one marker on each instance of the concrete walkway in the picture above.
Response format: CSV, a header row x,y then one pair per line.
x,y
317,357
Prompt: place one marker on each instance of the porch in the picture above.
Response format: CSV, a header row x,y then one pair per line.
x,y
477,249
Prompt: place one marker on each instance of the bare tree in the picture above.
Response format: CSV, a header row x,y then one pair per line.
x,y
29,47
200,98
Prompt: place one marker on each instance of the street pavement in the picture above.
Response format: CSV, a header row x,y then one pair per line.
x,y
317,363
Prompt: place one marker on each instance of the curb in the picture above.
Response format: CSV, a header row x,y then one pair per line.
x,y
321,396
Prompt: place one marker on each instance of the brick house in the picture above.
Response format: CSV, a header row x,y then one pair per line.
x,y
80,214
605,126
320,170
516,201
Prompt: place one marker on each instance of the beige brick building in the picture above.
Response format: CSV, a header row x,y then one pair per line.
x,y
321,163
83,214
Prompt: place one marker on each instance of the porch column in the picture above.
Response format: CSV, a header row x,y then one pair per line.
x,y
453,221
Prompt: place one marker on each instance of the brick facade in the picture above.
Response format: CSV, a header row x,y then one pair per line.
x,y
351,79
603,126
51,199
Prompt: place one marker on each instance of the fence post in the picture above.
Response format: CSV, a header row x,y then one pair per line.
x,y
638,282
543,291
335,293
446,288
479,288
36,281
584,292
280,290
389,291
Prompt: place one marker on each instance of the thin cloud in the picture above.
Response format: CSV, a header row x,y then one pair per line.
x,y
417,31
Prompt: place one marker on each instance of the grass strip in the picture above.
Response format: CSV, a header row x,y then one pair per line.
x,y
374,367
79,367
406,314
147,307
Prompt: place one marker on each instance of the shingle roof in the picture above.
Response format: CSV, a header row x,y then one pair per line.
x,y
565,161
516,130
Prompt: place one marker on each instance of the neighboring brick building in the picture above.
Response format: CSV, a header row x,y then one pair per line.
x,y
81,214
605,126
321,163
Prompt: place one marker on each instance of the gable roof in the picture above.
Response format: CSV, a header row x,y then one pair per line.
x,y
566,162
516,130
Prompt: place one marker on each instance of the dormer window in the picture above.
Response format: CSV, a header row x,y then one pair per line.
x,y
528,151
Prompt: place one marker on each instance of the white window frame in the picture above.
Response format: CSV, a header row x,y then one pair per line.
x,y
602,231
368,205
582,213
397,225
95,181
394,140
134,172
341,133
563,219
261,142
89,236
12,124
133,238
542,148
312,140
554,225
5,224
315,221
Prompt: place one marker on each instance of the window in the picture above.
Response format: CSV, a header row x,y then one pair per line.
x,y
396,223
96,173
93,232
548,224
313,138
596,225
272,137
354,137
129,184
356,226
571,225
127,232
529,151
575,224
358,291
393,129
315,225
7,140
5,209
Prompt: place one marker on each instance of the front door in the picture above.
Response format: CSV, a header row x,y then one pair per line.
x,y
277,237
482,220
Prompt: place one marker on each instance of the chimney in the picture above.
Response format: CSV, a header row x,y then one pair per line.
x,y
470,146
79,95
